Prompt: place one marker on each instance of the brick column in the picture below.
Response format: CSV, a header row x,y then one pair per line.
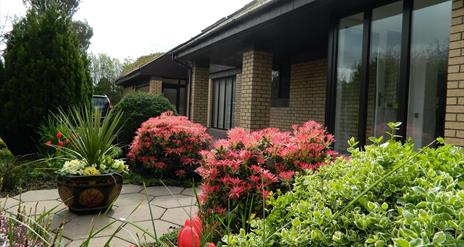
x,y
255,90
454,122
238,94
199,95
156,87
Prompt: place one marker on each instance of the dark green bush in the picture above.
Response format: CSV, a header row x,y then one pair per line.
x,y
137,108
44,69
5,153
420,204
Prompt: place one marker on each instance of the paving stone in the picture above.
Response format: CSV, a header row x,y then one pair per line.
x,y
137,236
132,200
38,207
6,203
79,227
38,195
179,215
163,191
142,213
174,201
99,242
131,188
189,191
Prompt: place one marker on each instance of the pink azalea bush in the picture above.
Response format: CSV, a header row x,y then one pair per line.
x,y
169,146
243,170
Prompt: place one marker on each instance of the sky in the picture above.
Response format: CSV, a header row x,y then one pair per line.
x,y
132,28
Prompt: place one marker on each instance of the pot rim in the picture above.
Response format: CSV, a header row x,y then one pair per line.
x,y
91,176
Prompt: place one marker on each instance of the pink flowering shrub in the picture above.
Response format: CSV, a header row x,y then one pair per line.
x,y
168,146
241,171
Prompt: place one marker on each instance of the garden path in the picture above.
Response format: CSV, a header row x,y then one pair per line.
x,y
170,207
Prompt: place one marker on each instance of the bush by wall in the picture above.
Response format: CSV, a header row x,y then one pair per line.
x,y
137,108
168,146
5,153
420,204
247,167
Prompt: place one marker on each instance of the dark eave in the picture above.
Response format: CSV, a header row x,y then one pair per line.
x,y
233,26
161,67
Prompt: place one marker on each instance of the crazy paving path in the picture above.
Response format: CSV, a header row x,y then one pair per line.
x,y
170,207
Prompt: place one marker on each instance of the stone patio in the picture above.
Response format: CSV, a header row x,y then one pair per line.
x,y
170,207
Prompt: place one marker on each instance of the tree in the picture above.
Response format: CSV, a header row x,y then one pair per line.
x,y
104,71
68,8
45,69
139,62
2,73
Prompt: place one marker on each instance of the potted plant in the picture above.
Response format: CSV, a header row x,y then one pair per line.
x,y
90,179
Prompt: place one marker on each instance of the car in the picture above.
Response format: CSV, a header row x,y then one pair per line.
x,y
101,103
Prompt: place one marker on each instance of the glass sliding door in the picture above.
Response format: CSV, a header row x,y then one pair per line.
x,y
223,103
384,68
349,58
431,21
391,66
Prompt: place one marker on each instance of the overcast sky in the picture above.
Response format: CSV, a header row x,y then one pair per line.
x,y
131,28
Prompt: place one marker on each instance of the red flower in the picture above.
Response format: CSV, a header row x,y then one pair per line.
x,y
60,144
188,237
195,222
59,135
210,245
181,173
48,143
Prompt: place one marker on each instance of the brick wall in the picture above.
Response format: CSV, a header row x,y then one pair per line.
x,y
255,90
127,90
308,82
454,123
199,95
156,87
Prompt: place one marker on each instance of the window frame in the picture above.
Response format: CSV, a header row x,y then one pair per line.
x,y
403,88
284,67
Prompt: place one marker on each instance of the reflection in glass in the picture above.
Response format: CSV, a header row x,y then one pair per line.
x,y
431,21
384,68
349,58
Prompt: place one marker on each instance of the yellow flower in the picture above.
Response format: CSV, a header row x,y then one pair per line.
x,y
91,171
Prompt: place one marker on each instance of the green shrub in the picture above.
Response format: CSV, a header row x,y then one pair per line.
x,y
5,153
137,108
420,204
45,69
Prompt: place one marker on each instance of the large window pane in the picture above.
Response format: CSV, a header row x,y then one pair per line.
x,y
222,94
223,102
228,102
182,100
384,67
431,21
350,36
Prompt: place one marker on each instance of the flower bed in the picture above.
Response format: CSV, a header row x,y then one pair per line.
x,y
168,146
247,167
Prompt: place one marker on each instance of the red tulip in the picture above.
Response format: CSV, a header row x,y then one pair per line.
x,y
210,245
59,135
196,224
60,144
48,143
188,237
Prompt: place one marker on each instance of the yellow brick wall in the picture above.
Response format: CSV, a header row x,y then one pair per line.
x,y
255,90
199,95
454,122
308,82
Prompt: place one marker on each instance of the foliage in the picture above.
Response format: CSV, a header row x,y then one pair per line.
x,y
2,71
105,70
5,153
130,66
247,167
169,146
417,200
45,69
53,136
138,107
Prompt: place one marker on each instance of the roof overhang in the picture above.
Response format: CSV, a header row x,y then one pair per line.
x,y
234,25
162,67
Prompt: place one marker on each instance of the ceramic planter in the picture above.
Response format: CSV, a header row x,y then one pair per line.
x,y
89,194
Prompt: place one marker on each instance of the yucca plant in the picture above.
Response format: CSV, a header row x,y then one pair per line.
x,y
92,136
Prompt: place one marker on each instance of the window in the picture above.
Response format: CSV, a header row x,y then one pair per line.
x,y
280,84
223,103
175,91
391,65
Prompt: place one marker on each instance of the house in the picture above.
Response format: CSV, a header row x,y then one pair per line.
x,y
354,65
160,76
